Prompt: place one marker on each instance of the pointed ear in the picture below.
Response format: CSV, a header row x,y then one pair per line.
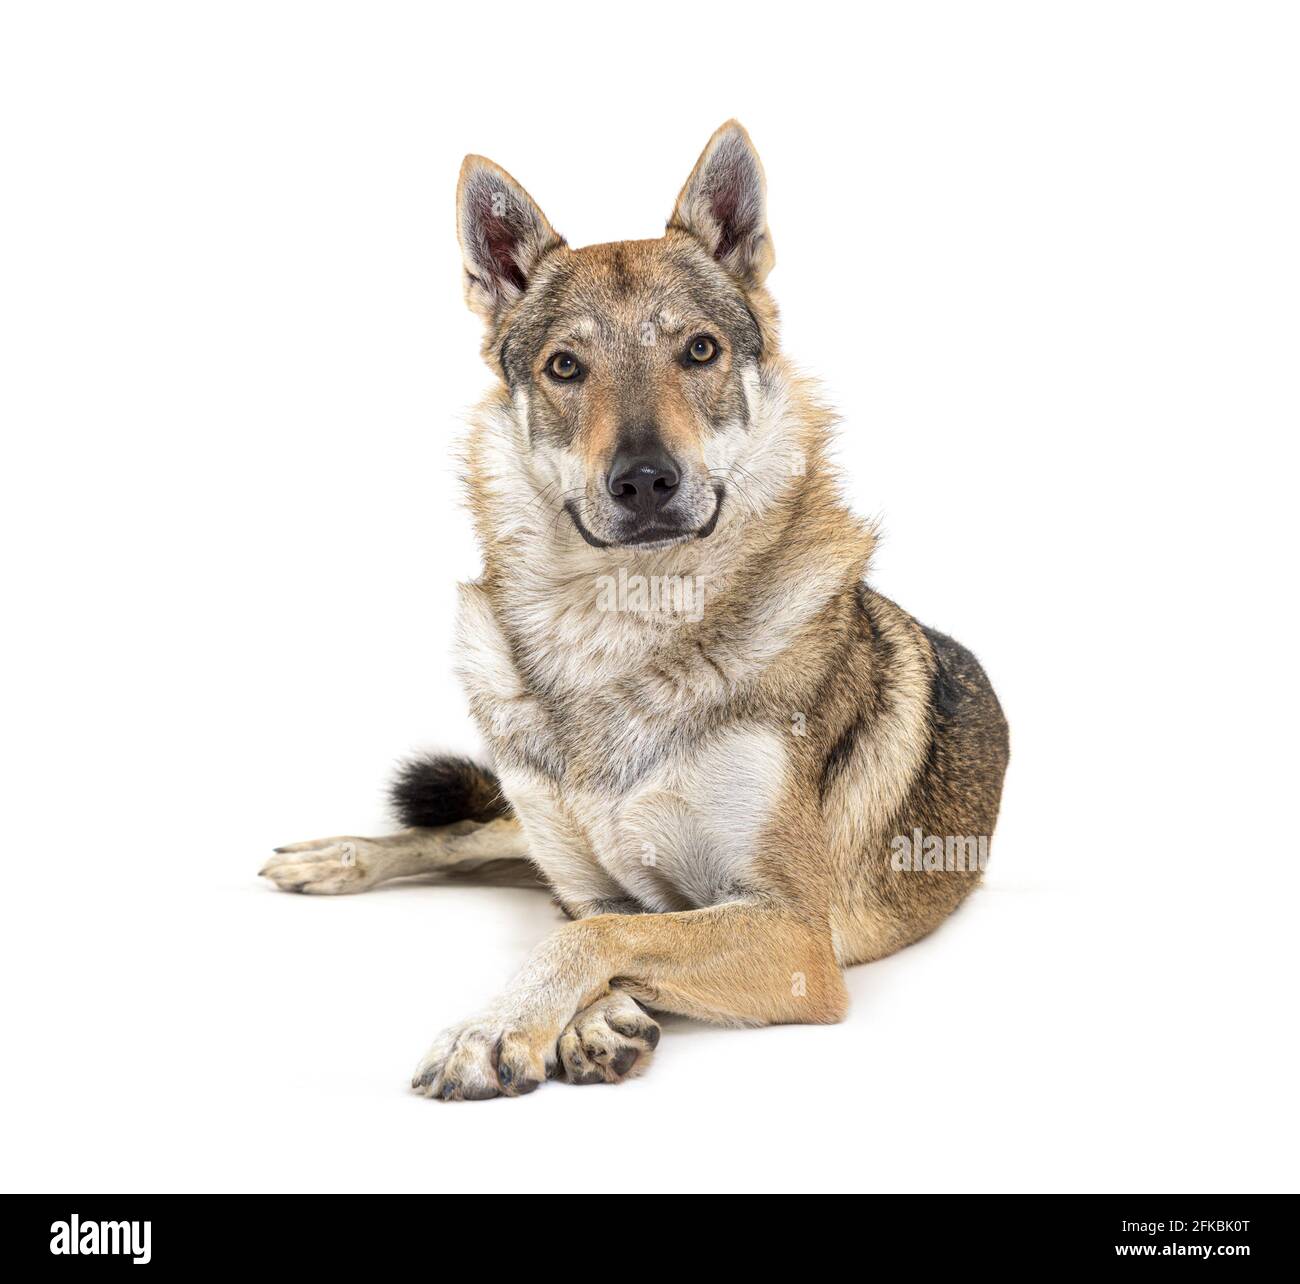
x,y
503,236
724,205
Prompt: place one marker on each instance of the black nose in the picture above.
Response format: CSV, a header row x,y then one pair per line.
x,y
643,483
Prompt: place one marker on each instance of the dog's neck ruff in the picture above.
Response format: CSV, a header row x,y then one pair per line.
x,y
580,617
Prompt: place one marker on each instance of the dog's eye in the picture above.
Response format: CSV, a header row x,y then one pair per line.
x,y
564,367
702,350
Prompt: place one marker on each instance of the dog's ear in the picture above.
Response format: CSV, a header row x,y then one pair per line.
x,y
724,205
503,236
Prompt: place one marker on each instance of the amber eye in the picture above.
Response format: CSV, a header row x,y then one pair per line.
x,y
702,350
564,367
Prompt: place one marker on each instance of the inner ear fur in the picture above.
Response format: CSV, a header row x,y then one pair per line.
x,y
724,205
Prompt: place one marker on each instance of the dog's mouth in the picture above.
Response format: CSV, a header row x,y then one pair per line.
x,y
653,534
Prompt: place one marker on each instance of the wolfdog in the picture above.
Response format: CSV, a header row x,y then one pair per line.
x,y
706,731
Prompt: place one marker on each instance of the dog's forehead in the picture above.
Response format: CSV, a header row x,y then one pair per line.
x,y
628,283
629,298
621,269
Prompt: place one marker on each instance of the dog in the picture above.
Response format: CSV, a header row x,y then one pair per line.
x,y
737,767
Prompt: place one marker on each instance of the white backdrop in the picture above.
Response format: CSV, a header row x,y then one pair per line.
x,y
1044,259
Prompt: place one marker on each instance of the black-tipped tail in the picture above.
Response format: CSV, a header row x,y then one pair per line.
x,y
438,789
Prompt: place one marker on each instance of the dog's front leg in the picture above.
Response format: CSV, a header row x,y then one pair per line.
x,y
743,963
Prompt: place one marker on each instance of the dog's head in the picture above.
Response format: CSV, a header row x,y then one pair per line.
x,y
633,366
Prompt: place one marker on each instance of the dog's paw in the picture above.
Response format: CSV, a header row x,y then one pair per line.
x,y
609,1041
326,867
483,1059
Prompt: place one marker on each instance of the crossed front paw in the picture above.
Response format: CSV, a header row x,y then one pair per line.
x,y
478,1060
610,1040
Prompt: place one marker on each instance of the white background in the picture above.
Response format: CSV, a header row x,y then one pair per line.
x,y
1044,258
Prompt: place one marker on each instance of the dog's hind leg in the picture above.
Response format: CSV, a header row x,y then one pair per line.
x,y
493,852
458,824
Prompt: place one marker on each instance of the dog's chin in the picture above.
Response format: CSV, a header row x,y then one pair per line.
x,y
652,536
